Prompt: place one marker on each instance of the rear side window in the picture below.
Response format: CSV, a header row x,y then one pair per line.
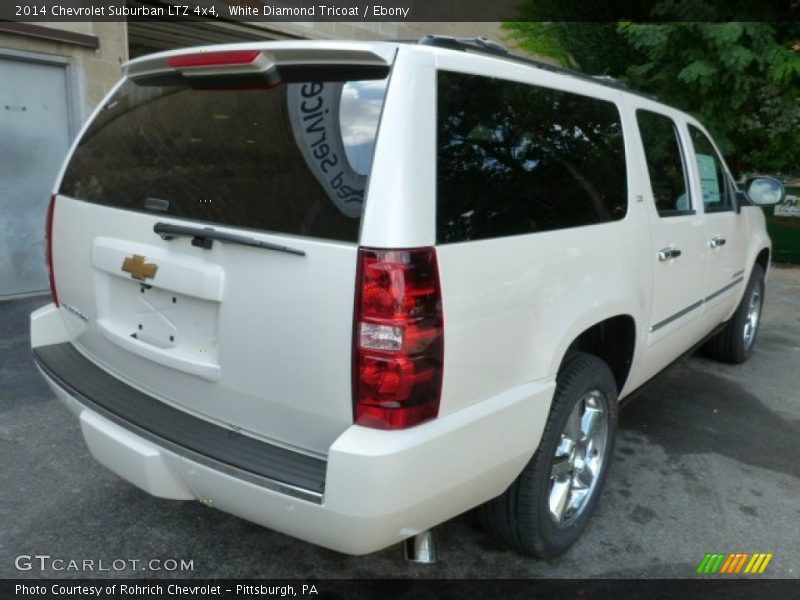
x,y
514,158
292,159
662,152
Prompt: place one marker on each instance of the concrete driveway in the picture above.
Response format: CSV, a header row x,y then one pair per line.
x,y
708,460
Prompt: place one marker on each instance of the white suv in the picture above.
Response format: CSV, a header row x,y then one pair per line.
x,y
350,290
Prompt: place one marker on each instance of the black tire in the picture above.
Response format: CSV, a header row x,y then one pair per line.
x,y
730,345
520,518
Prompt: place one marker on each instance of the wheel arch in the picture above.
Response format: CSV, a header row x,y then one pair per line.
x,y
613,340
762,258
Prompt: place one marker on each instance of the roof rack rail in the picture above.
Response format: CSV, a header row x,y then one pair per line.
x,y
612,81
484,45
481,44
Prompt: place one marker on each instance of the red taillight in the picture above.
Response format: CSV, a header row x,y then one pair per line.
x,y
214,59
398,339
49,247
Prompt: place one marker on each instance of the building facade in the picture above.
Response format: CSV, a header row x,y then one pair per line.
x,y
53,75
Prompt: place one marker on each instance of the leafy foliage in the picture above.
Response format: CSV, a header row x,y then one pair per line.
x,y
741,79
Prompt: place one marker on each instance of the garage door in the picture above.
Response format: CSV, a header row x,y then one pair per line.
x,y
34,139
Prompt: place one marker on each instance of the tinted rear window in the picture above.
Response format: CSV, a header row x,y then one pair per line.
x,y
514,158
292,159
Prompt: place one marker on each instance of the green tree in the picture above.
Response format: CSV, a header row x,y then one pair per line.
x,y
741,78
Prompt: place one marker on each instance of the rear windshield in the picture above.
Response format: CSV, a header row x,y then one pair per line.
x,y
293,158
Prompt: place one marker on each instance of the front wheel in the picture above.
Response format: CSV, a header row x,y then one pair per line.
x,y
548,506
735,343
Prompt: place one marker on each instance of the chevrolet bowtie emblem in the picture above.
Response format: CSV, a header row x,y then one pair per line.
x,y
138,268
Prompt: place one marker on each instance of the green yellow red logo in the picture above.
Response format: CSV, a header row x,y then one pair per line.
x,y
734,563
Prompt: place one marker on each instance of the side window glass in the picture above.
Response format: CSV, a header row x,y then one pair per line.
x,y
662,151
514,159
713,182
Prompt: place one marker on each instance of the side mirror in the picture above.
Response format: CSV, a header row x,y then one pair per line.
x,y
765,191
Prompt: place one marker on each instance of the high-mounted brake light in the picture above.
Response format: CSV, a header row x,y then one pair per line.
x,y
214,59
218,70
398,339
49,247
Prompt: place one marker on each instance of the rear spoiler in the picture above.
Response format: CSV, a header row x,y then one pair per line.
x,y
258,63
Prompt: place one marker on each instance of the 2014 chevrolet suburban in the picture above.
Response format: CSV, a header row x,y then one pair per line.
x,y
350,290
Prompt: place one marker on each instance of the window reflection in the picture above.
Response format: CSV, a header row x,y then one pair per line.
x,y
515,158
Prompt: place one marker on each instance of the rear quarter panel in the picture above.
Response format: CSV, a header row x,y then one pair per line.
x,y
513,305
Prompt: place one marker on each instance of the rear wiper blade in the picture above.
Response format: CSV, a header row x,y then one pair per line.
x,y
204,237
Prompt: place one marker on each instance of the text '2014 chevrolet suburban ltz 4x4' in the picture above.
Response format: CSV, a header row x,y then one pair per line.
x,y
350,290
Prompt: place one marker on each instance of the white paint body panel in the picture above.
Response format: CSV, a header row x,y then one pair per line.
x,y
381,486
231,357
271,354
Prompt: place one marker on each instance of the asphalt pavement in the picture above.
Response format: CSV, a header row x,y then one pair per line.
x,y
708,460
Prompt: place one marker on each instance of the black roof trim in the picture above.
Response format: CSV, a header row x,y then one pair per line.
x,y
483,45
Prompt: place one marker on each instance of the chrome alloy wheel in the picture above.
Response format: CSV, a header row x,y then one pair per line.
x,y
579,457
751,320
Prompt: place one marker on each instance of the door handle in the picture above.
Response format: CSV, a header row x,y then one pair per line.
x,y
668,253
716,241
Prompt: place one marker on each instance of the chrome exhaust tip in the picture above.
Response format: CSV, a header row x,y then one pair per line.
x,y
421,548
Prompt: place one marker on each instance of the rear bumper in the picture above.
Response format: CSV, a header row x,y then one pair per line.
x,y
376,487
